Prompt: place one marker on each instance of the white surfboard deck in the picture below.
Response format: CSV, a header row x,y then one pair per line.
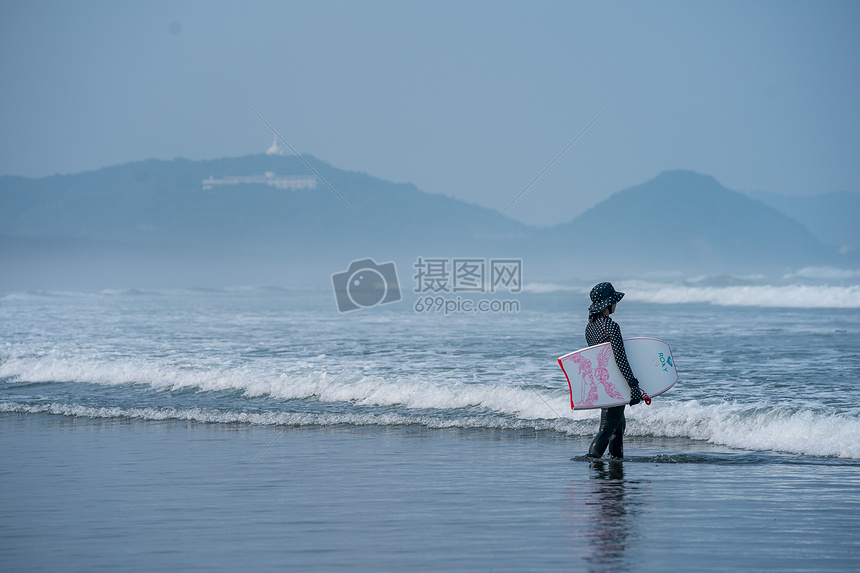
x,y
596,382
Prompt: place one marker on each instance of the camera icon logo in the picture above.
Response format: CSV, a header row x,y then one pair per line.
x,y
365,284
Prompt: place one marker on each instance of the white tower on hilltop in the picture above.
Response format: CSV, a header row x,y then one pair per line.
x,y
275,149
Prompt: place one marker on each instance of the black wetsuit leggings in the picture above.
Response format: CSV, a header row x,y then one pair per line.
x,y
611,433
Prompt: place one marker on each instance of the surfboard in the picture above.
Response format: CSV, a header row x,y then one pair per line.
x,y
596,382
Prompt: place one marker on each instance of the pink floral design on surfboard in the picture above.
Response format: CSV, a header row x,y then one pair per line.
x,y
591,377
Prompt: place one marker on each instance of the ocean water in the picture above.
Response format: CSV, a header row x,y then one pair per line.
x,y
260,427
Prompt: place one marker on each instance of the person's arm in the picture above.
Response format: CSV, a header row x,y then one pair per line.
x,y
621,360
620,355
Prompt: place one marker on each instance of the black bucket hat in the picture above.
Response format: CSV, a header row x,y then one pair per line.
x,y
603,295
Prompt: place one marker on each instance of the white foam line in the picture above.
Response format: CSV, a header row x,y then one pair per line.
x,y
206,416
759,427
418,394
825,273
790,296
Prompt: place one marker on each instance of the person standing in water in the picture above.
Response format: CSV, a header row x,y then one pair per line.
x,y
601,328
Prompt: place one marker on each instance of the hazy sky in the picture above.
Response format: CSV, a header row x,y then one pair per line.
x,y
469,99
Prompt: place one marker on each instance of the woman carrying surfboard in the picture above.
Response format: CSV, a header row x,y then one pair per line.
x,y
601,328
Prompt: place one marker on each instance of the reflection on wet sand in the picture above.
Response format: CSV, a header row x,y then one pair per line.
x,y
603,511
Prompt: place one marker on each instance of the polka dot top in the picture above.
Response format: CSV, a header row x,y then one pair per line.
x,y
603,329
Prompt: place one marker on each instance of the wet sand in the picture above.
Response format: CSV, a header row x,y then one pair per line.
x,y
89,495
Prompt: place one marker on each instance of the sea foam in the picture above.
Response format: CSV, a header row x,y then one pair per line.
x,y
760,426
441,402
755,295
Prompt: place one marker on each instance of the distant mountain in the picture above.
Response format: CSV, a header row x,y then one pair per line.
x,y
253,219
169,203
269,219
684,220
834,218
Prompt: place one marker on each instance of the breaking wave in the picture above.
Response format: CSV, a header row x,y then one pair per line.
x,y
357,399
787,296
754,295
